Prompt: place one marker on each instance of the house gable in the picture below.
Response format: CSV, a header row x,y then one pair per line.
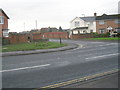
x,y
4,24
76,22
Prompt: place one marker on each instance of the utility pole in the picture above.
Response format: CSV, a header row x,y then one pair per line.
x,y
24,26
36,24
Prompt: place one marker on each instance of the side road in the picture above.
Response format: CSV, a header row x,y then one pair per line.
x,y
68,47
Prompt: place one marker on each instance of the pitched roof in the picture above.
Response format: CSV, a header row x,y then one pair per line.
x,y
105,16
4,13
88,19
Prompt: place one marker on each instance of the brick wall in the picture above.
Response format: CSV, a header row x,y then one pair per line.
x,y
37,36
56,35
22,38
81,36
18,38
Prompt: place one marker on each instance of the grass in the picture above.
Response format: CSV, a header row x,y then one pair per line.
x,y
31,46
109,38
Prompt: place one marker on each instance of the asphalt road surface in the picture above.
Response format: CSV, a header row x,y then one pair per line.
x,y
39,70
107,81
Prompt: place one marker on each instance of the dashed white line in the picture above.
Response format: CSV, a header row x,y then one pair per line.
x,y
102,56
25,68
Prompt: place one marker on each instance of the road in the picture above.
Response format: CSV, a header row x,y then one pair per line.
x,y
107,81
39,70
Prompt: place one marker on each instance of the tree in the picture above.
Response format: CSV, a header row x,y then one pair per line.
x,y
49,29
60,29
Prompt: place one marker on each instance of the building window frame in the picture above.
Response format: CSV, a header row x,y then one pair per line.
x,y
102,31
91,30
117,29
1,19
5,33
75,31
101,22
77,23
117,21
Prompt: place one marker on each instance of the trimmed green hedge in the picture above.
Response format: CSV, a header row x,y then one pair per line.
x,y
96,35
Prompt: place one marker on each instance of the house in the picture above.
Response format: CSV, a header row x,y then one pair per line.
x,y
82,25
108,23
3,24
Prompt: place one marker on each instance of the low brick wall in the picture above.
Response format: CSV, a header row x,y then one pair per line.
x,y
56,35
81,36
18,38
22,38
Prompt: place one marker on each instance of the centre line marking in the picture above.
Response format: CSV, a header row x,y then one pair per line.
x,y
102,56
25,68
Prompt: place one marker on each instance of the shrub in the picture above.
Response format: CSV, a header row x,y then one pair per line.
x,y
96,35
5,41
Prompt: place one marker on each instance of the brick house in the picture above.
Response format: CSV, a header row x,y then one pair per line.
x,y
3,24
108,23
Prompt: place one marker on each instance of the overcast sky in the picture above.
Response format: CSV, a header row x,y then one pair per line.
x,y
53,13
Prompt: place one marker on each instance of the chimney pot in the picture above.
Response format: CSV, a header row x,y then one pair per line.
x,y
95,14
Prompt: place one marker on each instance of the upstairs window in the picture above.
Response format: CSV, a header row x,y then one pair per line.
x,y
101,22
77,24
1,20
117,21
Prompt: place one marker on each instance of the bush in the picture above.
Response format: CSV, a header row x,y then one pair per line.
x,y
5,41
96,35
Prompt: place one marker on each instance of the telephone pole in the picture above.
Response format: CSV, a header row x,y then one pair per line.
x,y
36,24
24,26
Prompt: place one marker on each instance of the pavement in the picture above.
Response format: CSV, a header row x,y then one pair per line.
x,y
68,47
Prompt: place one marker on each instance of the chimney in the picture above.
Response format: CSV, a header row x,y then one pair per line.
x,y
95,14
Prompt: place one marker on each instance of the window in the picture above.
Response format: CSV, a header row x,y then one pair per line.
x,y
117,21
5,33
101,22
117,29
102,31
91,31
75,32
1,20
77,24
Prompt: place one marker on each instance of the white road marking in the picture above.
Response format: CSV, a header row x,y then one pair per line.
x,y
25,68
80,46
102,48
102,56
108,44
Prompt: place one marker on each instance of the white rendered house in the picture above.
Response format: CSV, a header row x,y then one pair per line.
x,y
83,25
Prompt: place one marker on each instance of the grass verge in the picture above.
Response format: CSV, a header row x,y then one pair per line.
x,y
31,46
109,38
